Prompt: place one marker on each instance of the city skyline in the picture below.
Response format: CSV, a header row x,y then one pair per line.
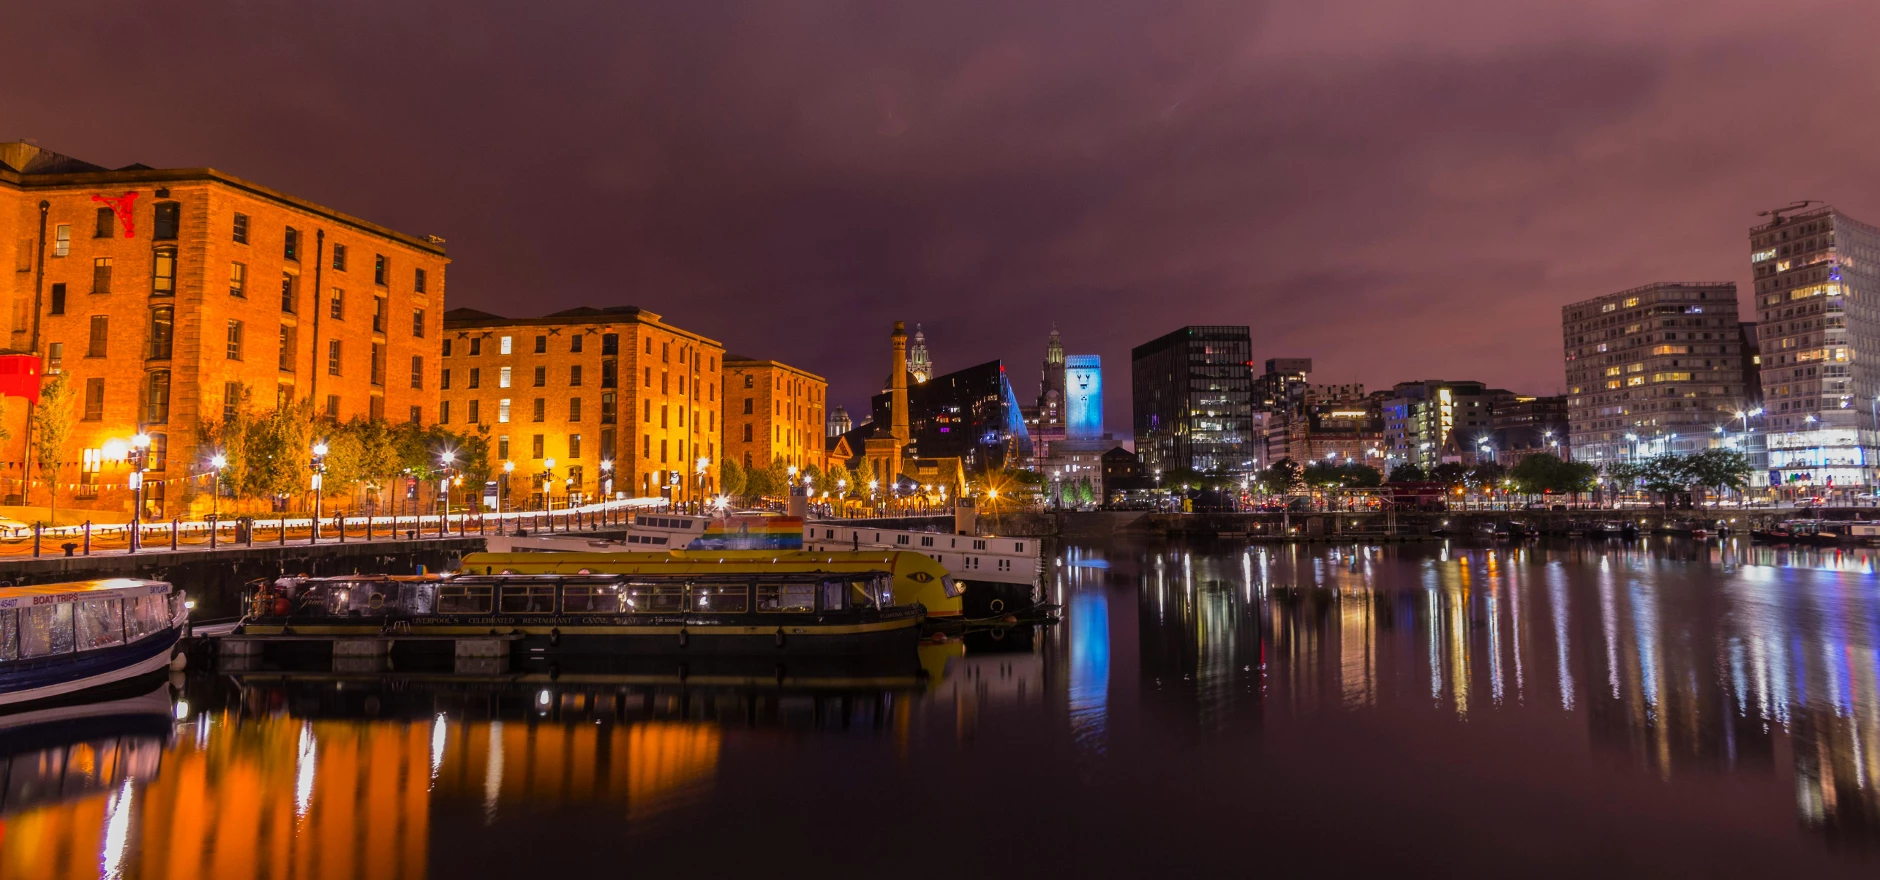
x,y
1481,167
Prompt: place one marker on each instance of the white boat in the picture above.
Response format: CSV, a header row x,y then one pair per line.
x,y
59,640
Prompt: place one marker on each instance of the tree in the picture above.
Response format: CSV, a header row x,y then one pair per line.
x,y
277,446
837,480
1667,474
230,436
1408,473
1721,469
1282,477
730,476
52,434
1350,475
1453,473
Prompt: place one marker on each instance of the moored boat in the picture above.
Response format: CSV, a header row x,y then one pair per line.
x,y
693,609
61,641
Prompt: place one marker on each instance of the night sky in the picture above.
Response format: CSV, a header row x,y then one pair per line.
x,y
1398,190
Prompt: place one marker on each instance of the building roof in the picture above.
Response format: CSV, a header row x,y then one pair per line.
x,y
27,166
476,319
738,360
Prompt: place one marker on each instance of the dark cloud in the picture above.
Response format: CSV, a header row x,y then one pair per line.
x,y
1395,190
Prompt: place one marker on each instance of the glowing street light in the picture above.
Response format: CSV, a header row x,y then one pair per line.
x,y
217,462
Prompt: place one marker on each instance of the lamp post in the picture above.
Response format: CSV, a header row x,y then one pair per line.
x,y
703,463
318,466
607,478
447,459
548,484
502,487
217,462
140,460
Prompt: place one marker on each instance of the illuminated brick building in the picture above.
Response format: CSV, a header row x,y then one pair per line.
x,y
774,411
620,401
159,292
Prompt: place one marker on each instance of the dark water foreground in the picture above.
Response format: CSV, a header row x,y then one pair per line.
x,y
1204,710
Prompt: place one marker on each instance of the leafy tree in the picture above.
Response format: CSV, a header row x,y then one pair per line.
x,y
1453,473
1350,475
277,447
1408,473
1721,469
836,480
52,434
730,476
1282,477
1487,474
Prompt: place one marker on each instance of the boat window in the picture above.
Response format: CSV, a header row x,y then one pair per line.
x,y
1019,547
866,594
100,623
529,598
144,615
463,598
655,598
46,630
417,597
9,634
792,598
590,599
900,539
832,592
720,598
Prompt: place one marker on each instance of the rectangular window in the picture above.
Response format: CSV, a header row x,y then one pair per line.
x,y
502,447
747,433
238,279
378,269
607,445
157,398
574,376
94,399
168,217
58,300
332,406
646,446
610,412
287,292
378,314
504,345
105,220
647,382
443,412
610,344
502,377
290,244
240,234
476,377
443,380
339,257
288,336
336,305
101,274
662,451
62,240
231,400
417,323
234,340
610,374
475,412
55,358
163,272
574,409
100,328
541,377
464,598
417,414
332,357
502,411
446,351
476,346
417,281
417,371
539,412
541,345
375,407
574,447
574,344
162,333
536,447
747,406
378,364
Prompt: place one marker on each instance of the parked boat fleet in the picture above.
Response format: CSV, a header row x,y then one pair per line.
x,y
1794,531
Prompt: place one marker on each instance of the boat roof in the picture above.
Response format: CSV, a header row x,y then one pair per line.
x,y
75,591
703,561
718,573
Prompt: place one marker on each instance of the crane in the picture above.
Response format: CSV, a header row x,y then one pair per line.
x,y
1776,213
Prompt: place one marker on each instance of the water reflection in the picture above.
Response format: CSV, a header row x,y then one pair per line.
x,y
1181,678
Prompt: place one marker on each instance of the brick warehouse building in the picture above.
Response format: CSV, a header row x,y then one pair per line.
x,y
611,394
774,411
158,291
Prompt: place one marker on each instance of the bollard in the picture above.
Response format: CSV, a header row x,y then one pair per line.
x,y
175,522
282,522
37,529
369,519
87,537
339,525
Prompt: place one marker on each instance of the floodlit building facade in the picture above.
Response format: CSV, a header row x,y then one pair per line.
x,y
1191,400
774,412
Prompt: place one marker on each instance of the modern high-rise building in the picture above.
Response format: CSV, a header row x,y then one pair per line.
x,y
1191,395
164,294
1653,369
1428,422
587,402
1818,321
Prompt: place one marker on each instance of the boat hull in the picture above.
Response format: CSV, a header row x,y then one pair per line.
x,y
26,684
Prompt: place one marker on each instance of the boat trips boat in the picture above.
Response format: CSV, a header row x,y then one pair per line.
x,y
694,608
60,640
1795,531
916,579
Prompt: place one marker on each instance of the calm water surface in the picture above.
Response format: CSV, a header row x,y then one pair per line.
x,y
1659,708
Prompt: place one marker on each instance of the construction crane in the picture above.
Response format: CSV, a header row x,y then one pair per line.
x,y
1776,213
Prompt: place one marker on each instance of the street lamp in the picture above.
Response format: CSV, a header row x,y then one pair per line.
x,y
509,467
548,483
703,464
217,462
140,460
607,478
318,466
447,459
